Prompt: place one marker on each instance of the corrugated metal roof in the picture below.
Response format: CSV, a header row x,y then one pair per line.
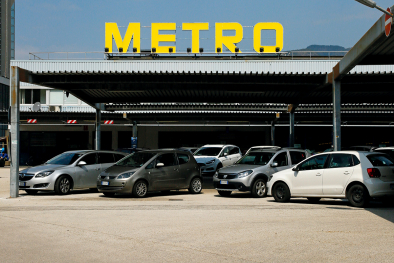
x,y
245,66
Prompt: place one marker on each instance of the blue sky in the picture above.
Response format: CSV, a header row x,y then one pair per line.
x,y
71,25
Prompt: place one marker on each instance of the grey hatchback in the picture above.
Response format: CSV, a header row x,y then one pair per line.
x,y
152,170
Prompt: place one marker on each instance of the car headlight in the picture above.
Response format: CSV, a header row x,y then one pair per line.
x,y
244,174
125,175
210,162
44,174
216,175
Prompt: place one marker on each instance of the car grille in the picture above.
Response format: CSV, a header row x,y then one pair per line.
x,y
226,186
229,176
25,177
109,188
109,177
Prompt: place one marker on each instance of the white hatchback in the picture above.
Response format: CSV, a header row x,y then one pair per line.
x,y
211,158
356,176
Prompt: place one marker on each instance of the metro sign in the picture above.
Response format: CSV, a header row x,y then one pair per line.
x,y
133,33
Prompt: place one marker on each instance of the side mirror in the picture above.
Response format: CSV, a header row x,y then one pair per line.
x,y
274,164
295,169
225,154
81,163
160,165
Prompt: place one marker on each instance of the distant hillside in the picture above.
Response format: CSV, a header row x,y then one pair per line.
x,y
321,48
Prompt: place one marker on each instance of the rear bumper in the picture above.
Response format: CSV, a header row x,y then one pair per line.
x,y
378,188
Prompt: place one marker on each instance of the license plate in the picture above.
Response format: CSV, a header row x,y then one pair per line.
x,y
22,184
223,182
104,183
392,186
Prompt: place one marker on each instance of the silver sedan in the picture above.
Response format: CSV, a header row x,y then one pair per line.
x,y
69,170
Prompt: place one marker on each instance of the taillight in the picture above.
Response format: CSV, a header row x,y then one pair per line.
x,y
373,172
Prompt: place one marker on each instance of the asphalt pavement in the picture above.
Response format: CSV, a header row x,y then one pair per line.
x,y
85,226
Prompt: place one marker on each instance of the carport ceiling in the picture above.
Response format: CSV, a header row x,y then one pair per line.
x,y
121,87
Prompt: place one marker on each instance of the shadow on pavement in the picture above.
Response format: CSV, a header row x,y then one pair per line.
x,y
170,194
50,193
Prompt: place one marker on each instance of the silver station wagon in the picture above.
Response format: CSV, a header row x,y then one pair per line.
x,y
66,171
152,170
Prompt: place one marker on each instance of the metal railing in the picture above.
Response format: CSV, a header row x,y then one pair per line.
x,y
99,55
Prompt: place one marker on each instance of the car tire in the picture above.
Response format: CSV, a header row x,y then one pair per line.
x,y
93,190
358,196
31,192
313,199
140,189
63,185
108,194
259,188
224,193
281,192
195,186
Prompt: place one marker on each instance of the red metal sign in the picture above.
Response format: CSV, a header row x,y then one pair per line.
x,y
71,121
31,120
109,122
388,21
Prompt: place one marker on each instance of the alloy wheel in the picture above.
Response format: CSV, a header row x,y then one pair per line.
x,y
260,188
141,189
64,185
196,185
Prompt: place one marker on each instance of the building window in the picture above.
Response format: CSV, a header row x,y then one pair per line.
x,y
58,97
31,96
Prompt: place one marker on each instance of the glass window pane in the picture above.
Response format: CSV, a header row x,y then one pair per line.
x,y
297,157
56,97
89,159
70,100
43,96
106,158
36,95
27,96
340,160
183,158
313,163
168,159
281,159
118,157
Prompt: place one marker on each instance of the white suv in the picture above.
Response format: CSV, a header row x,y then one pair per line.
x,y
213,157
357,176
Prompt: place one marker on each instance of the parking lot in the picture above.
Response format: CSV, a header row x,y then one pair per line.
x,y
177,227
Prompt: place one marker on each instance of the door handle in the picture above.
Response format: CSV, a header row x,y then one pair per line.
x,y
346,173
318,174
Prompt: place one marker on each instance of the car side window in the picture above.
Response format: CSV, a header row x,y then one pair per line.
x,y
90,159
340,160
297,157
313,163
168,159
226,150
281,159
183,158
356,161
106,158
118,157
234,150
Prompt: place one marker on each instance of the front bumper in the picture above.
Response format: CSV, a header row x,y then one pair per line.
x,y
39,184
114,186
232,184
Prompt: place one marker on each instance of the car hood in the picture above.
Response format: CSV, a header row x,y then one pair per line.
x,y
117,169
41,168
237,168
204,159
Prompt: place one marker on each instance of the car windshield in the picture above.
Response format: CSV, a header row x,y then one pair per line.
x,y
208,151
137,159
65,158
256,158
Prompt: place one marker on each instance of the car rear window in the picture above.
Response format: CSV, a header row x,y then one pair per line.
x,y
380,160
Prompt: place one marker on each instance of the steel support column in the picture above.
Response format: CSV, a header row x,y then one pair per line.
x,y
336,102
273,133
135,130
98,130
14,171
291,130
